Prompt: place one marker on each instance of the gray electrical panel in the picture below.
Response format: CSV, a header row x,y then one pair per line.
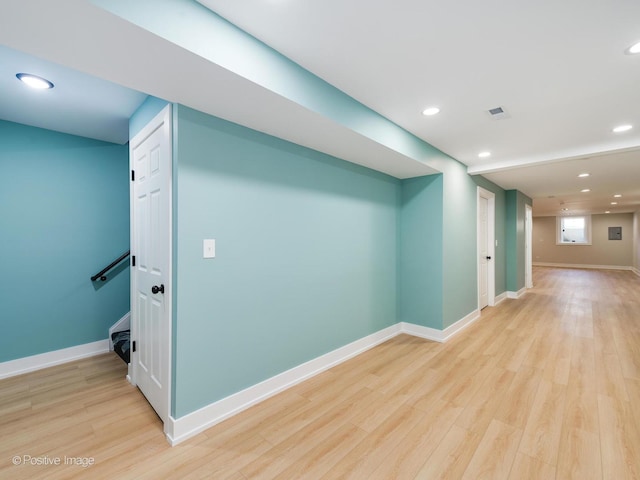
x,y
615,233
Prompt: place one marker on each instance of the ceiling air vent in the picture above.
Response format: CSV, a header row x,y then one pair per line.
x,y
497,113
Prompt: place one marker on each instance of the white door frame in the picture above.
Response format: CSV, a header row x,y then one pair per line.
x,y
164,120
491,244
528,247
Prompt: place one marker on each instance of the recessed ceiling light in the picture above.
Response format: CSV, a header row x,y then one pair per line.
x,y
34,81
614,203
622,128
484,154
633,49
585,190
617,195
430,111
583,175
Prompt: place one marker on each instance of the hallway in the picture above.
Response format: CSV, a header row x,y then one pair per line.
x,y
547,386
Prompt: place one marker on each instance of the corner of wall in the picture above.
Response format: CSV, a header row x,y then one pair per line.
x,y
145,112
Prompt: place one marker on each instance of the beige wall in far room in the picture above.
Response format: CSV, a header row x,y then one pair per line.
x,y
602,251
636,242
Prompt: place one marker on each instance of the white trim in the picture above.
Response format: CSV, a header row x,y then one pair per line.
x,y
420,331
179,430
461,324
50,359
439,335
123,324
183,428
501,297
636,271
517,294
578,265
587,230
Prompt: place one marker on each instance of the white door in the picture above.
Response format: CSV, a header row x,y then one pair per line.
x,y
483,251
151,246
528,237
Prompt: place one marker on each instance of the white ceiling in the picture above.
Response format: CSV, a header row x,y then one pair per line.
x,y
79,104
558,68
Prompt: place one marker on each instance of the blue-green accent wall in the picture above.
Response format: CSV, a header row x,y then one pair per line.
x,y
420,263
305,263
460,242
64,216
515,238
145,113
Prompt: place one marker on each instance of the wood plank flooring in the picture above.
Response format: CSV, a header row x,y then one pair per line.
x,y
544,387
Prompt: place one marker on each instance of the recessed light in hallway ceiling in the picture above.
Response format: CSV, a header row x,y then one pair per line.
x,y
633,49
484,154
427,112
622,128
34,81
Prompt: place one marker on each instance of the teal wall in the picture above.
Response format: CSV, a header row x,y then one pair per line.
x,y
500,254
306,256
438,246
64,216
144,114
459,256
515,238
420,261
460,243
314,252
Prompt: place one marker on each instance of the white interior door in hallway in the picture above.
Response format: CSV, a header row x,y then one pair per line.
x,y
151,160
486,235
528,238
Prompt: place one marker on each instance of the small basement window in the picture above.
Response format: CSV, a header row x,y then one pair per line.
x,y
574,230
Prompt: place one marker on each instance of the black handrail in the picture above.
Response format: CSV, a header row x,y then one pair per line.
x,y
101,273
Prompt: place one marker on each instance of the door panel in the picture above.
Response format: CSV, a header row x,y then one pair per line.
x,y
483,214
151,234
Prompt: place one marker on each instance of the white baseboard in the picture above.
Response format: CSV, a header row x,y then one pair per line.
x,y
123,324
579,265
517,294
636,271
460,325
420,331
179,430
439,335
49,359
500,298
183,428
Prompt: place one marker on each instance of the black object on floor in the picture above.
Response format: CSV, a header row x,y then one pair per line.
x,y
121,343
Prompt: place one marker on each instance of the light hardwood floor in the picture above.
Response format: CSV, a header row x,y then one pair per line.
x,y
544,387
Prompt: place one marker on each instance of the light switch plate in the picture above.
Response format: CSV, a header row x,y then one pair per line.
x,y
209,248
